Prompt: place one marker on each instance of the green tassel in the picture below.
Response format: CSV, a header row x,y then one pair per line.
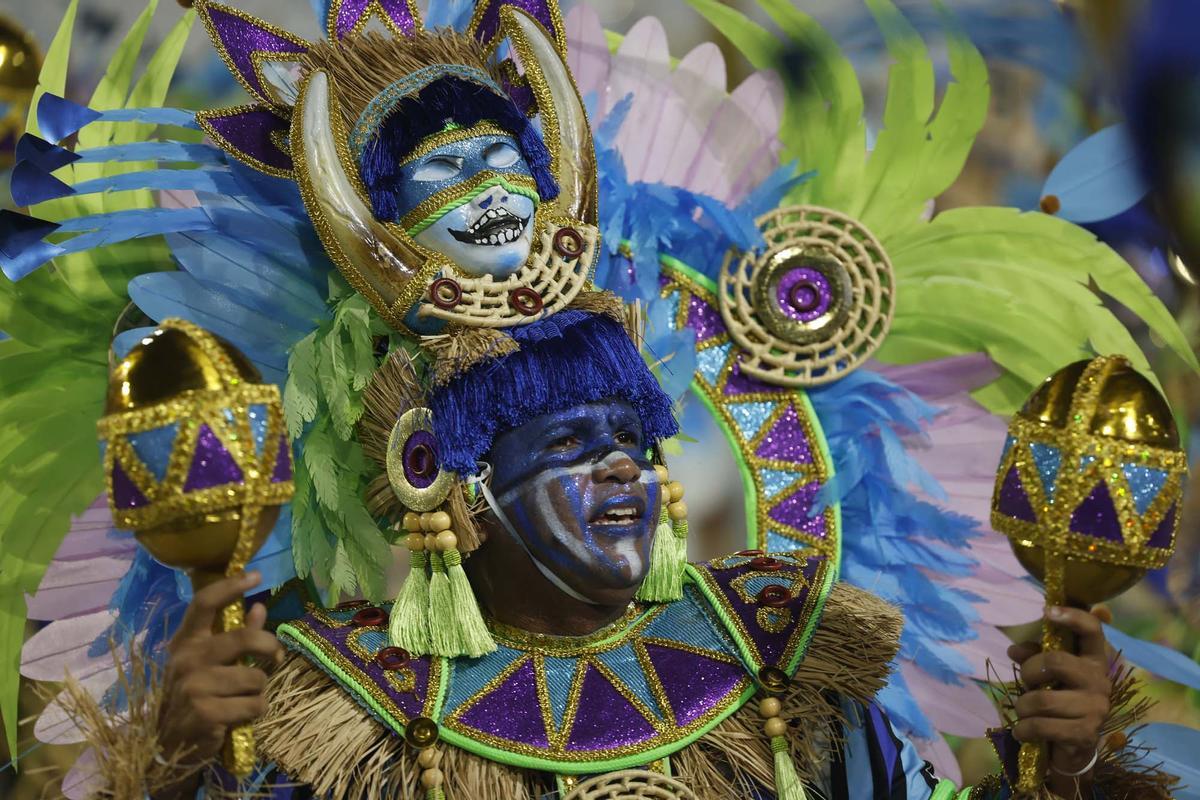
x,y
435,793
409,626
668,554
456,627
787,782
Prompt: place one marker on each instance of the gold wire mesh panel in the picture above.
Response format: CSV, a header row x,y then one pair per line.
x,y
631,784
815,304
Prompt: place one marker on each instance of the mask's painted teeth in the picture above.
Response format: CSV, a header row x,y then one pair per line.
x,y
495,227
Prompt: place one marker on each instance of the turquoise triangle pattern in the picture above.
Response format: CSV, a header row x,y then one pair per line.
x,y
1009,441
1146,483
711,361
781,543
154,447
750,417
624,664
775,481
470,675
559,674
1048,460
258,425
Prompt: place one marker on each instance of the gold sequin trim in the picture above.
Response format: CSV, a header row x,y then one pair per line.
x,y
257,57
439,140
566,646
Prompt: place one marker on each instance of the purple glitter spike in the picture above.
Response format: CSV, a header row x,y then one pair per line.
x,y
1162,534
1013,501
786,440
1096,515
283,462
737,383
704,319
212,465
693,683
794,510
347,13
246,133
489,21
511,711
242,38
604,717
124,493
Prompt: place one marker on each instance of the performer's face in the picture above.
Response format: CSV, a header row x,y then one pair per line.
x,y
579,490
485,200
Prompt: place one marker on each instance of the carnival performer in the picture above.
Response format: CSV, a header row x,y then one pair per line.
x,y
403,231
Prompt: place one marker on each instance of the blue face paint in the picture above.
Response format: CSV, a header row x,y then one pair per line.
x,y
488,232
579,490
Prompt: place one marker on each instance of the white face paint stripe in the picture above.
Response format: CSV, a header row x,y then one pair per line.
x,y
545,509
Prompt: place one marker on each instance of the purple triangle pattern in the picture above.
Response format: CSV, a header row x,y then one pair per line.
x,y
283,462
771,647
1013,501
124,492
737,383
1162,534
511,711
704,319
604,718
1096,516
794,510
786,441
692,683
212,465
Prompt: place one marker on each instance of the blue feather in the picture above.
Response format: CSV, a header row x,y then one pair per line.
x,y
154,151
176,117
1162,661
40,152
216,181
59,118
32,185
1173,749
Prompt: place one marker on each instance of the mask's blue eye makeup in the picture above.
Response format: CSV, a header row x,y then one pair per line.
x,y
439,168
501,155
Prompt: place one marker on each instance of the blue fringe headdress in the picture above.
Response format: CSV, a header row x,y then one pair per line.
x,y
565,360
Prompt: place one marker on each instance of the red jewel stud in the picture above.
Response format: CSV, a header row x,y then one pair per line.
x,y
391,658
749,553
774,596
445,293
568,243
525,300
766,564
369,617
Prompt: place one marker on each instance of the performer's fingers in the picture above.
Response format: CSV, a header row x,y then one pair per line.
x,y
231,710
231,647
234,681
1063,669
1089,633
1078,732
1022,651
256,617
1057,703
208,602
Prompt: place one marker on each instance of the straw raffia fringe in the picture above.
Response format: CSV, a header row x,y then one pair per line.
x,y
318,735
461,349
129,755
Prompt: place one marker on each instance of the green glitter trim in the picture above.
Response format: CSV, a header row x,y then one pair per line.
x,y
470,195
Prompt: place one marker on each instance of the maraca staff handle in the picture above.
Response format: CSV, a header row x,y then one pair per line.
x,y
237,752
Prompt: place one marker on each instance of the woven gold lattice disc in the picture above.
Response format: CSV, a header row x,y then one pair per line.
x,y
631,784
814,304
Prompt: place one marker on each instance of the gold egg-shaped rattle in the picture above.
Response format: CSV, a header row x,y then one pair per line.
x,y
1088,492
197,463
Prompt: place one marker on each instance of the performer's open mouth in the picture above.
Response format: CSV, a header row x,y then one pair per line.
x,y
620,510
496,226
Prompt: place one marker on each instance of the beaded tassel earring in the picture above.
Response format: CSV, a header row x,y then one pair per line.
x,y
668,554
409,626
456,627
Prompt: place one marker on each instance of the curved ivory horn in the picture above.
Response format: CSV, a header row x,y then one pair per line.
x,y
384,266
568,134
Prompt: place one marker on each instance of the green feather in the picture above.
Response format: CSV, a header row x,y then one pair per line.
x,y
53,77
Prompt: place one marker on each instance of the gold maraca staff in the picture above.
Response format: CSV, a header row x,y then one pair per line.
x,y
1088,494
197,464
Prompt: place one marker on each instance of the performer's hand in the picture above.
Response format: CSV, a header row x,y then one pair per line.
x,y
207,688
1069,716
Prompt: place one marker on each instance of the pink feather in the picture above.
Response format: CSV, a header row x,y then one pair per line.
x,y
587,55
83,780
62,647
70,588
962,710
55,726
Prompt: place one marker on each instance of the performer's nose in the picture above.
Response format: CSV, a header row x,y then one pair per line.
x,y
617,467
